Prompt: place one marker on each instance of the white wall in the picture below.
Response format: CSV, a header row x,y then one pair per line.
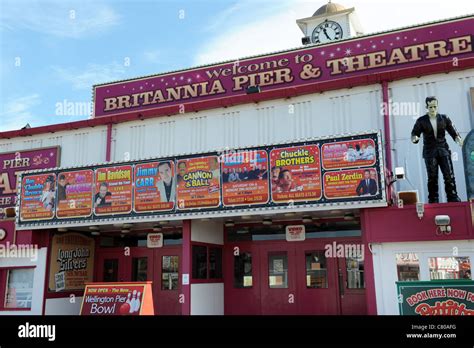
x,y
38,281
63,306
207,232
207,299
313,115
452,91
79,147
385,266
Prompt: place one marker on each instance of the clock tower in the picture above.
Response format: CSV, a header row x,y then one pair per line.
x,y
329,23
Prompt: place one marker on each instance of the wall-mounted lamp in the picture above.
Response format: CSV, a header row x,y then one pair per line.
x,y
443,224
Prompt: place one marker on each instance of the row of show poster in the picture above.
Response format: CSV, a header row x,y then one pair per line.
x,y
243,178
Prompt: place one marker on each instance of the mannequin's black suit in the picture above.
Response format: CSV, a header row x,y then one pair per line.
x,y
436,153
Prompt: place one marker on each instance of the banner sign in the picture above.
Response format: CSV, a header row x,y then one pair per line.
x,y
198,182
155,187
245,178
307,66
296,174
74,194
347,154
117,299
351,183
14,163
38,196
113,187
446,297
262,177
71,262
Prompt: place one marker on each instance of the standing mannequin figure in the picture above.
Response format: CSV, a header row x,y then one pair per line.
x,y
436,151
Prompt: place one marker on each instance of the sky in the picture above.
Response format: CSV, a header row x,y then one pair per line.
x,y
52,52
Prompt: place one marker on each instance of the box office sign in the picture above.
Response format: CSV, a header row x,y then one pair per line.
x,y
295,233
342,170
71,262
117,299
448,297
303,69
13,163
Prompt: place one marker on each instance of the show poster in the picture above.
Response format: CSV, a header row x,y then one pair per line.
x,y
155,187
351,183
74,194
38,197
348,154
295,174
71,262
245,178
113,187
14,163
198,181
117,299
436,297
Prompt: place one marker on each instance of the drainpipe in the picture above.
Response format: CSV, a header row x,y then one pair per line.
x,y
386,127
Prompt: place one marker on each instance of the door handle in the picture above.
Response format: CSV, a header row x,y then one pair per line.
x,y
341,283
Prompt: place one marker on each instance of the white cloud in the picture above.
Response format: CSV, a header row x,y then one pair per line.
x,y
63,19
91,75
17,112
153,56
257,27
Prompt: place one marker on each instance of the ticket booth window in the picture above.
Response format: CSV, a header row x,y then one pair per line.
x,y
207,262
199,262
450,268
316,270
19,290
243,270
215,263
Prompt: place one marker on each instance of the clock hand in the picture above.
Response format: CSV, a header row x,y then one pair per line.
x,y
326,33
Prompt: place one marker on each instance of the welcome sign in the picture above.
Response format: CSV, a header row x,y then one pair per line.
x,y
435,43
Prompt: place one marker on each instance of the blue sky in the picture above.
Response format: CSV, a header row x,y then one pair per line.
x,y
54,51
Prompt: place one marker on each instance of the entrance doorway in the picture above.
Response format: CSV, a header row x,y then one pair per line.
x,y
280,277
162,266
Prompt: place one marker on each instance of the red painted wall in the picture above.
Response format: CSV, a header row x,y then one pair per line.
x,y
393,224
9,227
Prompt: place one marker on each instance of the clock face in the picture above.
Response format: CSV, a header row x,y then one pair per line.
x,y
327,31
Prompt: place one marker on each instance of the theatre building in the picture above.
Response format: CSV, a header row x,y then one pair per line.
x,y
264,185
